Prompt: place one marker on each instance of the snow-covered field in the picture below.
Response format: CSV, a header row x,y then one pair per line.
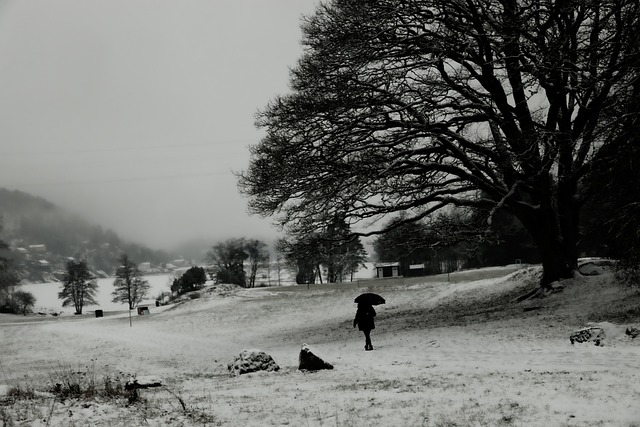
x,y
446,354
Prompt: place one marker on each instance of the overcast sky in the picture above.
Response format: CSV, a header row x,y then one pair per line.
x,y
135,114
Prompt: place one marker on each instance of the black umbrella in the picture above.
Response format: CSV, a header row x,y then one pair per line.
x,y
369,298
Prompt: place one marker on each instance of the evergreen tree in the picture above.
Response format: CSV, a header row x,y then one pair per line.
x,y
192,279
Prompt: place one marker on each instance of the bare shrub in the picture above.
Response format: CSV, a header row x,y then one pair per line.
x,y
628,271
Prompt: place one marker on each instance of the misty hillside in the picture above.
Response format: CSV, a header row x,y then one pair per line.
x,y
43,236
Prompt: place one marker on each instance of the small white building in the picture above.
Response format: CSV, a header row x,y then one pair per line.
x,y
181,262
44,264
41,248
144,267
387,269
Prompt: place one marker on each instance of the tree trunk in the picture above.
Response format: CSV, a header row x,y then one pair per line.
x,y
556,241
554,228
557,262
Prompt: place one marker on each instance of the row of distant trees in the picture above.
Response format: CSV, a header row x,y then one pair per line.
x,y
463,236
228,259
334,250
466,236
79,285
609,227
334,253
459,238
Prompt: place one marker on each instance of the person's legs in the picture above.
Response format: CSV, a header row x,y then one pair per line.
x,y
367,343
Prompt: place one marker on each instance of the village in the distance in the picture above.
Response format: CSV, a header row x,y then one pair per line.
x,y
42,238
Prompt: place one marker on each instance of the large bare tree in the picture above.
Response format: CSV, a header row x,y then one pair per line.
x,y
418,105
228,259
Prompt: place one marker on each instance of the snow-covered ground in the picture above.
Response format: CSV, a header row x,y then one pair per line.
x,y
445,354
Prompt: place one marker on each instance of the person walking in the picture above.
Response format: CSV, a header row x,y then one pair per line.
x,y
364,320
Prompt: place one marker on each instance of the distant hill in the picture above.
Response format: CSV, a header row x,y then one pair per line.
x,y
16,203
43,237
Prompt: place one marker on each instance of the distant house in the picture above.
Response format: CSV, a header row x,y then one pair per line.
x,y
44,264
24,252
387,269
41,248
180,262
144,267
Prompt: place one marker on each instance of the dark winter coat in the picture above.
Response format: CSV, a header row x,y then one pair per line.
x,y
364,317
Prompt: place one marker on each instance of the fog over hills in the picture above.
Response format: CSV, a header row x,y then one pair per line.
x,y
138,114
41,233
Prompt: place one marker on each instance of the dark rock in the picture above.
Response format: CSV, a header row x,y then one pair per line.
x,y
252,361
597,332
309,361
632,332
594,334
142,382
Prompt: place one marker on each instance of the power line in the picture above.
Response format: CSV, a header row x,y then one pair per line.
x,y
125,148
120,180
